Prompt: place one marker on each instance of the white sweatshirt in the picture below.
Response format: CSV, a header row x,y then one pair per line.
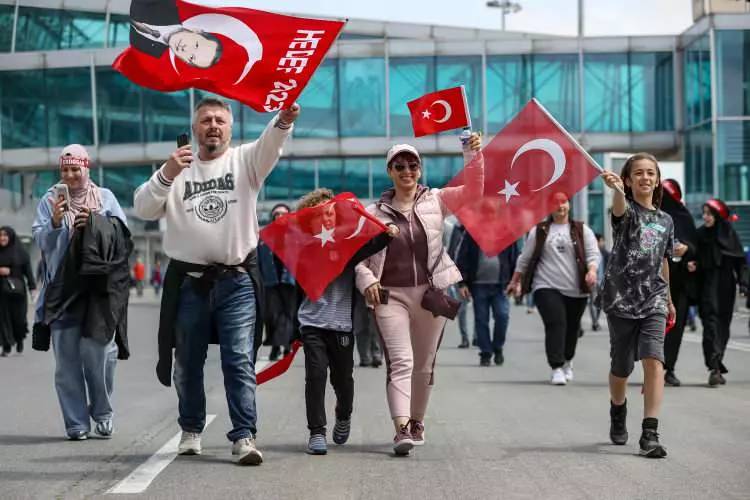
x,y
211,206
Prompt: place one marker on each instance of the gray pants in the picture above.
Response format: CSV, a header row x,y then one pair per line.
x,y
635,339
365,332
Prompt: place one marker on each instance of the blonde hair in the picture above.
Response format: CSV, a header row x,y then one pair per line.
x,y
314,198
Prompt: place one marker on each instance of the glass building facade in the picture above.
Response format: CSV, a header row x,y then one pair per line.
x,y
671,95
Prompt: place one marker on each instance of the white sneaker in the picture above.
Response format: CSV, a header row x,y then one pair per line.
x,y
190,444
568,370
558,377
248,453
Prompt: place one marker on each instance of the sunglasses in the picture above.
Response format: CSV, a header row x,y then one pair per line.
x,y
400,167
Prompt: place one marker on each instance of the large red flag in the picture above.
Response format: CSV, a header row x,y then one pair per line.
x,y
261,59
527,165
439,111
316,243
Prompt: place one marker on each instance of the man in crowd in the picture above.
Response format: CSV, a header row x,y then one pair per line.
x,y
212,283
484,280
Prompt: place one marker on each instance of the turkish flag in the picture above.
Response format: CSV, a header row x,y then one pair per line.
x,y
261,59
316,243
439,111
529,166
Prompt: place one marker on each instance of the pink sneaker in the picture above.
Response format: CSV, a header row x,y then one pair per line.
x,y
403,442
417,432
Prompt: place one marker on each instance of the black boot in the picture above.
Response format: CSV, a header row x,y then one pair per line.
x,y
464,343
499,358
19,346
274,355
618,432
649,442
714,378
671,379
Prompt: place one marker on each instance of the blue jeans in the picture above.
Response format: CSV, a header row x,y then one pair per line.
x,y
229,309
83,365
486,297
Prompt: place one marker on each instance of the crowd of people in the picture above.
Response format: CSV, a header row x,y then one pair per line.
x,y
224,286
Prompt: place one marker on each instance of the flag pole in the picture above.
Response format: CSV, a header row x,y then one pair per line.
x,y
466,105
575,142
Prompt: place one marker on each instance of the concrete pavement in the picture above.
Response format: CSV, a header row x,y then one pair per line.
x,y
498,432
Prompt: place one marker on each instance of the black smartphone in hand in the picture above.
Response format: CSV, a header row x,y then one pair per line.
x,y
183,140
384,294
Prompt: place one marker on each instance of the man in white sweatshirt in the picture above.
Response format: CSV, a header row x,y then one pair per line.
x,y
209,202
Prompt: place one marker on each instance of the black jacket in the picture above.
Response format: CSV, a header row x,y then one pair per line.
x,y
170,299
467,260
92,283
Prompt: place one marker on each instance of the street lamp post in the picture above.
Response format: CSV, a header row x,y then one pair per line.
x,y
506,7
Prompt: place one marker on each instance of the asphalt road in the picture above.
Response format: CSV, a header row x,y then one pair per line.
x,y
498,432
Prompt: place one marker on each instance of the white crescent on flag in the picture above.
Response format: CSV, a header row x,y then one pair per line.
x,y
448,110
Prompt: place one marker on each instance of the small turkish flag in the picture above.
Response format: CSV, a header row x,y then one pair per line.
x,y
529,168
439,111
261,59
316,243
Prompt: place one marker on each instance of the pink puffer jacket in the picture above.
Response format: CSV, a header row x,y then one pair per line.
x,y
431,208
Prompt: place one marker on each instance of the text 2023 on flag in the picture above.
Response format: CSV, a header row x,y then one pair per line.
x,y
439,111
315,244
261,59
526,165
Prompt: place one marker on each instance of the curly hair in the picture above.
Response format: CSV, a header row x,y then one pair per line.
x,y
313,198
628,167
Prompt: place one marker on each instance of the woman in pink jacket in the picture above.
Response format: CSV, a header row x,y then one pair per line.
x,y
395,280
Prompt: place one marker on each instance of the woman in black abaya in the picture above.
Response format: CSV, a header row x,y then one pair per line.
x,y
15,277
721,261
682,267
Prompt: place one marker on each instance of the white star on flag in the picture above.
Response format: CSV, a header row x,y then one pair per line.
x,y
325,235
509,190
426,114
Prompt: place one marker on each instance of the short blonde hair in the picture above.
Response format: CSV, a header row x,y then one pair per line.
x,y
314,198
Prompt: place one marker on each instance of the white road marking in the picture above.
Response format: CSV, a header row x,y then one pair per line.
x,y
142,477
732,344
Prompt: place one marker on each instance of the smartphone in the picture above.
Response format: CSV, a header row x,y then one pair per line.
x,y
62,190
183,140
384,294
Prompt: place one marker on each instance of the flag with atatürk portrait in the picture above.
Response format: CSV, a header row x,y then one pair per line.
x,y
259,58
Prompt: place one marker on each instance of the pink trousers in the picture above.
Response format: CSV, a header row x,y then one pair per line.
x,y
411,336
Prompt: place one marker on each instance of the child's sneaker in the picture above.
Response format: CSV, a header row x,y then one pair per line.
x,y
403,442
650,446
317,444
417,432
341,431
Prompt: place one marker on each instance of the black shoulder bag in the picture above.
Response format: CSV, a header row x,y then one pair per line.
x,y
437,302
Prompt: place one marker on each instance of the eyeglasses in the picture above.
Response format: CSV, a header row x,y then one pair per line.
x,y
400,167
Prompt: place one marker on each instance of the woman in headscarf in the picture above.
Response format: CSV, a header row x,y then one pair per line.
x,y
83,365
15,278
682,268
721,261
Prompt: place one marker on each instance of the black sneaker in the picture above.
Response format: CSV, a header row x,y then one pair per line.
x,y
364,363
499,358
618,432
650,446
722,380
19,347
376,363
464,344
671,379
485,360
274,354
341,431
714,378
595,327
